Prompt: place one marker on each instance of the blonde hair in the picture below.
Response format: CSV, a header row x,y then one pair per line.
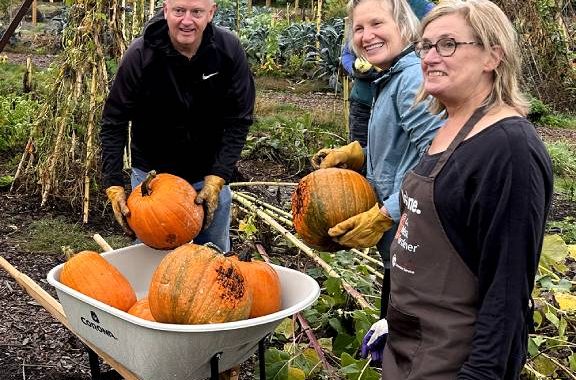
x,y
492,28
402,14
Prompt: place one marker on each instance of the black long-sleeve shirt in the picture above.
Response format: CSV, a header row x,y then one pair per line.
x,y
190,117
492,198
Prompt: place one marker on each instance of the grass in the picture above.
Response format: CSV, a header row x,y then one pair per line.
x,y
41,237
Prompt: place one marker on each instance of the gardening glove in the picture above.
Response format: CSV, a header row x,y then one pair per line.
x,y
208,197
363,230
117,198
374,341
349,156
363,69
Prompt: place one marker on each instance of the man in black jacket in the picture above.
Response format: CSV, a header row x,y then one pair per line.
x,y
187,90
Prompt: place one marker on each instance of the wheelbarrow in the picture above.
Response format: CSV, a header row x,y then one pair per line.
x,y
162,351
125,342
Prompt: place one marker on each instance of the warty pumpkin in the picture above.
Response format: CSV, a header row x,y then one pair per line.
x,y
264,283
325,198
195,284
141,309
163,214
90,274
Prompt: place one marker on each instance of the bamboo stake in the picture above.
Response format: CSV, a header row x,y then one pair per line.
x,y
89,146
365,256
307,250
375,272
25,154
276,210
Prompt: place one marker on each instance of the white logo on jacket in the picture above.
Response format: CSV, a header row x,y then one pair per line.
x,y
206,76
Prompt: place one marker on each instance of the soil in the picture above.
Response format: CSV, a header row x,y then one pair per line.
x,y
33,345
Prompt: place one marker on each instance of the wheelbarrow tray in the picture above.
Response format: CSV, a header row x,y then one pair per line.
x,y
159,351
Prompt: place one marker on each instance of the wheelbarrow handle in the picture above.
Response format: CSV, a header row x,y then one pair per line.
x,y
55,309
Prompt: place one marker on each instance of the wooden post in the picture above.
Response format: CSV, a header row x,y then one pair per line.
x,y
34,10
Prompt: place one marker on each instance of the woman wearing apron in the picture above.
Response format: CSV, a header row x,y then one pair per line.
x,y
466,251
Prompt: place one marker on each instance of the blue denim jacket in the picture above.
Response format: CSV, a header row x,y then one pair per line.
x,y
398,131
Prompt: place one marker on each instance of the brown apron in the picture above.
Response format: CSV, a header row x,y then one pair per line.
x,y
433,296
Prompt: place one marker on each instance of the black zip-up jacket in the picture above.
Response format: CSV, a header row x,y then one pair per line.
x,y
190,117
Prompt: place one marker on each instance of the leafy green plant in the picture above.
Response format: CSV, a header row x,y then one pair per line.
x,y
16,116
563,156
291,136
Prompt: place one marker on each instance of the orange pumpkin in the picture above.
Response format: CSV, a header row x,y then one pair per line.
x,y
163,214
141,309
90,274
264,283
195,284
325,198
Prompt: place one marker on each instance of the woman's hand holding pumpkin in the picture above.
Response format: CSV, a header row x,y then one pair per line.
x,y
363,230
209,196
117,197
349,156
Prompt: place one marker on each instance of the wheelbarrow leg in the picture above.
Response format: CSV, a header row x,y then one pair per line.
x,y
94,363
261,358
214,366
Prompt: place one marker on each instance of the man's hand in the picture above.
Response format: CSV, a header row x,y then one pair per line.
x,y
208,197
363,230
117,198
349,156
374,341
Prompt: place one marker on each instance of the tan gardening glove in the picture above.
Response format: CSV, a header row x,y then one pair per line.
x,y
208,197
363,230
349,156
117,198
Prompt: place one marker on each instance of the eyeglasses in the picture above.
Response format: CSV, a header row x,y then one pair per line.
x,y
445,47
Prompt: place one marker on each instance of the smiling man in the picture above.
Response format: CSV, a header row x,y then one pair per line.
x,y
187,90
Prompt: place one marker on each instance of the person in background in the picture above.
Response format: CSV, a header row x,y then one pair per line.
x,y
398,131
363,74
187,90
474,209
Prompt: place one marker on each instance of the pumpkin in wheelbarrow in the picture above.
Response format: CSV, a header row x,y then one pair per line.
x,y
325,198
264,283
195,284
90,274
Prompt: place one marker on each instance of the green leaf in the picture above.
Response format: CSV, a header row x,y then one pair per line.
x,y
276,364
354,369
296,374
344,343
553,318
285,328
572,362
545,366
554,252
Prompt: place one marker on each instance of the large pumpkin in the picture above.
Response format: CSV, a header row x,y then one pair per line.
x,y
325,198
264,282
141,309
163,214
195,284
90,274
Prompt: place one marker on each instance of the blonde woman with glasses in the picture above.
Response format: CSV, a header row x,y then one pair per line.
x,y
475,207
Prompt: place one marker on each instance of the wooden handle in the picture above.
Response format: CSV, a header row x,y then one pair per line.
x,y
102,243
55,308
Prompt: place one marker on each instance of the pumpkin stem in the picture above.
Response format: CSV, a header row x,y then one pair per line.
x,y
68,252
146,184
214,247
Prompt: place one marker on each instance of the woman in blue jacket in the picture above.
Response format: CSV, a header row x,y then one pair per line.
x,y
399,131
